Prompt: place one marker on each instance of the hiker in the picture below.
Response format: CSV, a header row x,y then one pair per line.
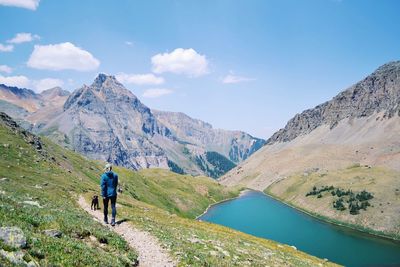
x,y
109,185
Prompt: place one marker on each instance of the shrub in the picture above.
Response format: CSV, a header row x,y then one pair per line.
x,y
355,201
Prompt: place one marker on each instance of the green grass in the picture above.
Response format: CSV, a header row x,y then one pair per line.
x,y
158,201
183,195
31,178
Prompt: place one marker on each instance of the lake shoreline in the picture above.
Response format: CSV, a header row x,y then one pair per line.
x,y
333,221
241,193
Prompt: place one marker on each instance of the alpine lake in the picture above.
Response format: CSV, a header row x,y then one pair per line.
x,y
260,215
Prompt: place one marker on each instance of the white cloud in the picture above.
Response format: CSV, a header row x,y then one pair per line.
x,y
5,68
230,78
181,61
62,56
129,43
47,83
29,4
6,48
23,37
140,79
18,81
156,92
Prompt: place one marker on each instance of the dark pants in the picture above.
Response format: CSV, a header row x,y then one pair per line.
x,y
113,208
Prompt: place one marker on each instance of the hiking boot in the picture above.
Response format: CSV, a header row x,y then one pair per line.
x,y
105,220
113,222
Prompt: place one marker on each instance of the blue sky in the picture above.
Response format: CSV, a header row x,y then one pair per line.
x,y
240,65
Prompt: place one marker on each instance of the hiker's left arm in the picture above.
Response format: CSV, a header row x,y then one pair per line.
x,y
103,187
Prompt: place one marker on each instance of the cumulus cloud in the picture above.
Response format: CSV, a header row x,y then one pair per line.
x,y
23,37
18,81
140,79
28,4
181,61
156,92
6,48
230,78
47,83
62,56
5,69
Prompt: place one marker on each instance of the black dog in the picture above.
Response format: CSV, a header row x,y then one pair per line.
x,y
95,203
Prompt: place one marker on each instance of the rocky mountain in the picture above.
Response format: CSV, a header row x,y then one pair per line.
x,y
379,92
54,93
234,145
22,97
359,125
29,108
108,122
52,102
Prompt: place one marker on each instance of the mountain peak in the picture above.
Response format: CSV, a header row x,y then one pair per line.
x,y
103,78
55,91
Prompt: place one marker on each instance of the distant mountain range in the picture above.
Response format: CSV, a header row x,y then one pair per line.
x,y
108,122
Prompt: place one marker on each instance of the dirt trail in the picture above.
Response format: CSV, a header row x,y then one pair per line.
x,y
151,254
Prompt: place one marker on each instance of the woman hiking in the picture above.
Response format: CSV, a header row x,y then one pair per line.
x,y
109,185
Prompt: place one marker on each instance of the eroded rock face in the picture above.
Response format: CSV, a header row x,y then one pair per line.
x,y
377,92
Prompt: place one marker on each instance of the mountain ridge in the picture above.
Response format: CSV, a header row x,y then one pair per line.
x,y
359,100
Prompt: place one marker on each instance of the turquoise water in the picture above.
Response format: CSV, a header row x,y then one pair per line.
x,y
257,214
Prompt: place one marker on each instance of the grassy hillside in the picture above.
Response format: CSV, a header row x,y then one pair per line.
x,y
183,195
370,141
37,193
40,183
381,217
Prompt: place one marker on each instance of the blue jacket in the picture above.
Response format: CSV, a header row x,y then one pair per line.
x,y
109,184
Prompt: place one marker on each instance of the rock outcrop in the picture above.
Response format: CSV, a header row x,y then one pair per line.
x,y
13,237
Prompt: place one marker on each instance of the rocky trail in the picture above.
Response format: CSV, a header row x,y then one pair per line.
x,y
149,249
